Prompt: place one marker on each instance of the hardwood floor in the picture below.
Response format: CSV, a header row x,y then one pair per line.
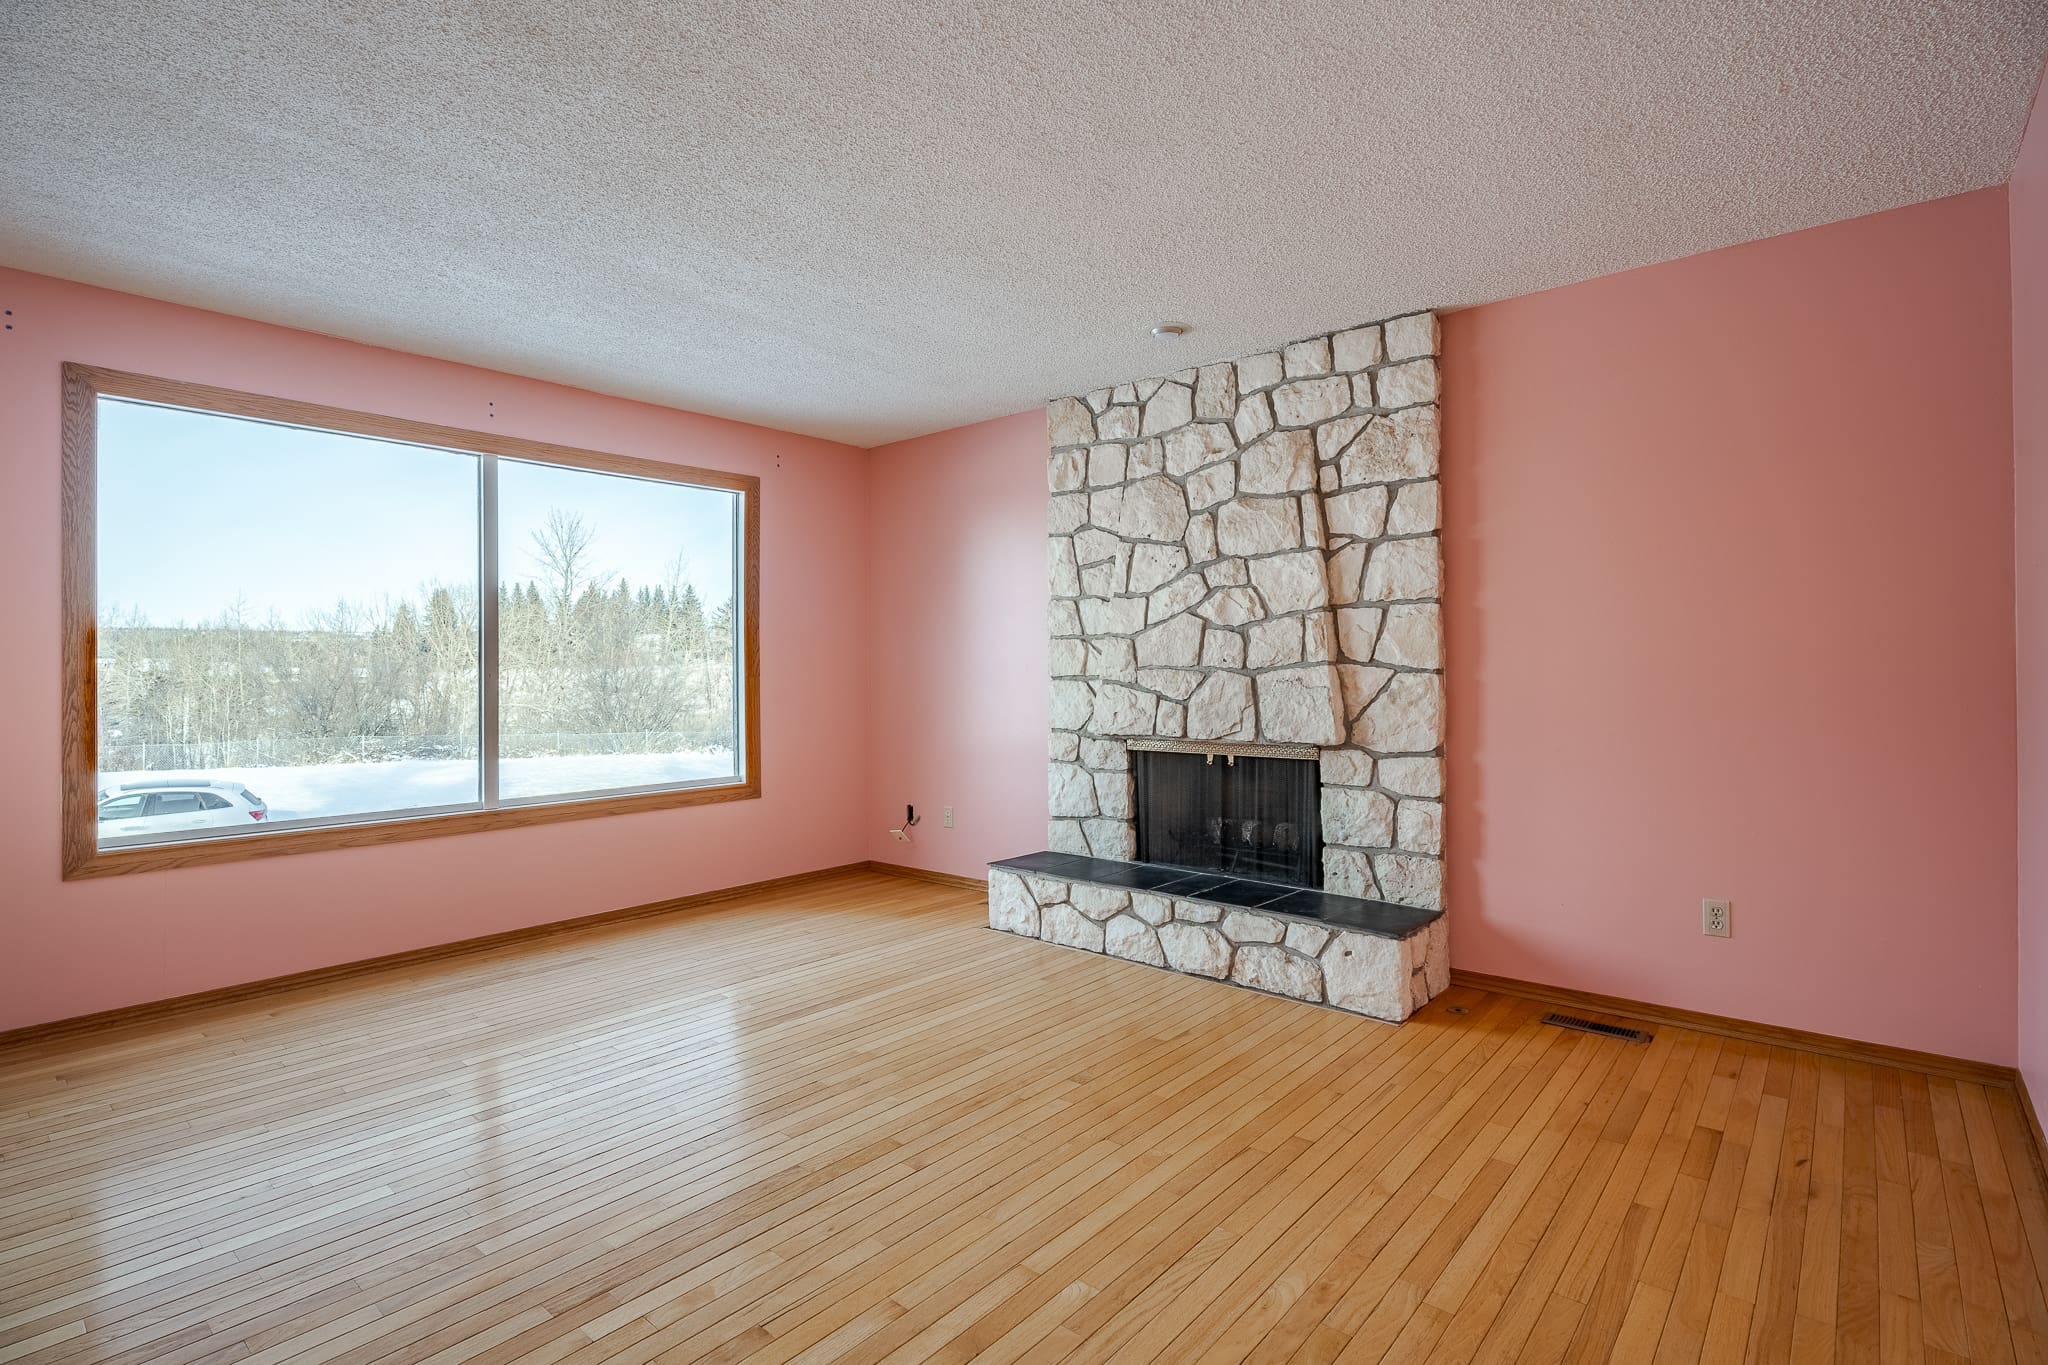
x,y
845,1122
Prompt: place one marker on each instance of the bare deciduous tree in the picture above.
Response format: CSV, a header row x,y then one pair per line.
x,y
586,665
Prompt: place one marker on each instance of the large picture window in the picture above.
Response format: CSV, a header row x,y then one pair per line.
x,y
294,627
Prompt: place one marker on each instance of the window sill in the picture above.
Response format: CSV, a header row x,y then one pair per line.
x,y
97,862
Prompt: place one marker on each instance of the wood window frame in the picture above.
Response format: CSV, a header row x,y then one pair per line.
x,y
85,385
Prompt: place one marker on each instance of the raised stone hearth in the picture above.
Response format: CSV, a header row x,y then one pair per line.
x,y
1371,958
1247,553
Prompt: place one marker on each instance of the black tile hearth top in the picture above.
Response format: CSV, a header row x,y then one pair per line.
x,y
1382,919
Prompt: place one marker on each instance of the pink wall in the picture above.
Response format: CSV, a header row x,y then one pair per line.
x,y
1731,585
1730,614
72,948
1730,597
2028,195
956,621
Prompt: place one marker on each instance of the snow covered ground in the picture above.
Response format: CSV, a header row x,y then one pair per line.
x,y
319,790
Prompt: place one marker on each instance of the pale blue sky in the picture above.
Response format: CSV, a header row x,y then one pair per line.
x,y
197,511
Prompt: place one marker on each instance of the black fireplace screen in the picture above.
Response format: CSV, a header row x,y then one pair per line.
x,y
1246,817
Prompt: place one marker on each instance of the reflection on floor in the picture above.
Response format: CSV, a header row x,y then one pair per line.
x,y
848,1122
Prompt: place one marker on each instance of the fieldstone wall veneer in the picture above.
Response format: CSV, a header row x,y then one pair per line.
x,y
1249,552
1383,978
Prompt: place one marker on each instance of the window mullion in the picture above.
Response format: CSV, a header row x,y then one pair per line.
x,y
487,672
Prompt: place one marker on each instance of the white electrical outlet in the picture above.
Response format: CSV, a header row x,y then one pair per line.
x,y
1714,917
949,817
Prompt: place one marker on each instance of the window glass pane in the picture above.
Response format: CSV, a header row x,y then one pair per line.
x,y
618,632
291,609
122,808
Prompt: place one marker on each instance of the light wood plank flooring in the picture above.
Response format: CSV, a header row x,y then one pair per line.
x,y
846,1122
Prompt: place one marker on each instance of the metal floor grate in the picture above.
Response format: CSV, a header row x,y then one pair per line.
x,y
1572,1021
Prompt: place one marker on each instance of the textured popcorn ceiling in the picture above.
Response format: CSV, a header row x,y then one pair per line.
x,y
868,220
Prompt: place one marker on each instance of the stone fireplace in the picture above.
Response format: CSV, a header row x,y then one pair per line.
x,y
1244,566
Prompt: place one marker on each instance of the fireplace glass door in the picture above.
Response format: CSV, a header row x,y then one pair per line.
x,y
1236,815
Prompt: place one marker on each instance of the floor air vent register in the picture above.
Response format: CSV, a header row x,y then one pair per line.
x,y
1578,1025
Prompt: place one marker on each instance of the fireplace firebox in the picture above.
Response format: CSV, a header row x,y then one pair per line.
x,y
1232,813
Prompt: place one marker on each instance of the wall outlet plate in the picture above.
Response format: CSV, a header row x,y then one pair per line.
x,y
949,817
1714,918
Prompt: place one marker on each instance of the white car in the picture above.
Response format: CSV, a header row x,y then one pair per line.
x,y
172,804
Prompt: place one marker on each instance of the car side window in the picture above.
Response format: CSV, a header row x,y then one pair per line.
x,y
122,808
208,801
177,803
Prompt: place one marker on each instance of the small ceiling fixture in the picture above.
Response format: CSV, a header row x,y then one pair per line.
x,y
1167,331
